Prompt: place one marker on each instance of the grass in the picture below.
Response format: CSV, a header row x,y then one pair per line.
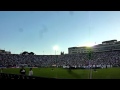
x,y
109,73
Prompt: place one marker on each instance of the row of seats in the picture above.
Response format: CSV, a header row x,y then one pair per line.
x,y
15,76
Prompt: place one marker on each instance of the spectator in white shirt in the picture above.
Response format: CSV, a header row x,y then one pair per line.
x,y
30,72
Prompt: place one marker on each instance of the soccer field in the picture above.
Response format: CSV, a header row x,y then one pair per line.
x,y
60,73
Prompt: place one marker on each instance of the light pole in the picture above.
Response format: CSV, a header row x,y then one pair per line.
x,y
89,58
55,48
55,52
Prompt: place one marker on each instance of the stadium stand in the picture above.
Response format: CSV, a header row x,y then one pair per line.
x,y
15,76
102,59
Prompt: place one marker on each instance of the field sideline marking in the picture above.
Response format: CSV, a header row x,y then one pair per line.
x,y
90,73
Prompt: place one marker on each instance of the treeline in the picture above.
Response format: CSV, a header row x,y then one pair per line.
x,y
27,53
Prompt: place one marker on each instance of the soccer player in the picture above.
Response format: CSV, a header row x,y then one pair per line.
x,y
69,68
22,71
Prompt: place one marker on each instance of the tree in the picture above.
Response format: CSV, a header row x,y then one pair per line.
x,y
62,53
24,53
27,53
31,53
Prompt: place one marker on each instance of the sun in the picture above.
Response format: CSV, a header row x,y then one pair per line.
x,y
56,47
89,45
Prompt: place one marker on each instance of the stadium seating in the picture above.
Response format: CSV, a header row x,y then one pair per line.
x,y
79,60
14,76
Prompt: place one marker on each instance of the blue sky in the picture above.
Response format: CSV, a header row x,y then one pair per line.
x,y
39,31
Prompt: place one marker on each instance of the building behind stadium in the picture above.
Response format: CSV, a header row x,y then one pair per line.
x,y
4,52
110,45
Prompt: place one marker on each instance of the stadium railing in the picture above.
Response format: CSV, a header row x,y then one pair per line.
x,y
15,76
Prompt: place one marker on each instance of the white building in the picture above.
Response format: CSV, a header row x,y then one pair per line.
x,y
105,46
75,50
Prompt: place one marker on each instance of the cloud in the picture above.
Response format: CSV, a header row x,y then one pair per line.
x,y
31,12
71,13
42,31
20,29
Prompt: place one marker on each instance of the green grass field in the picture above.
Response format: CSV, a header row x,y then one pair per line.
x,y
109,73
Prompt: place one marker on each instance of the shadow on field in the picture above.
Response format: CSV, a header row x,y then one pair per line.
x,y
73,74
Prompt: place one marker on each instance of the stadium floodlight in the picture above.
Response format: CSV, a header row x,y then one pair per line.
x,y
55,48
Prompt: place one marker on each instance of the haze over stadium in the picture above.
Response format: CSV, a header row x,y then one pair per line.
x,y
40,31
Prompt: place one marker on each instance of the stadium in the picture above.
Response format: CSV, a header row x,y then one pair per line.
x,y
98,62
59,45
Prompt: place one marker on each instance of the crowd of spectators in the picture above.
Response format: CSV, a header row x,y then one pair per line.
x,y
99,58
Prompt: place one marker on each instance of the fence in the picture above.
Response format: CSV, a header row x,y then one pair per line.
x,y
15,76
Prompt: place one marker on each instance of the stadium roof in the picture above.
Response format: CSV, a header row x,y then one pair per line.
x,y
109,41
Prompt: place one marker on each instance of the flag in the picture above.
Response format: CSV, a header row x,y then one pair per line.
x,y
54,65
